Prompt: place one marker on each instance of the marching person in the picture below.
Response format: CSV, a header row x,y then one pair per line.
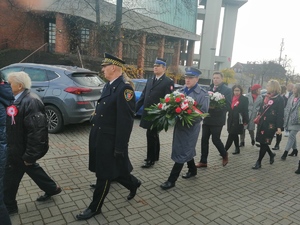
x,y
112,124
271,121
184,137
213,124
237,118
292,122
6,99
255,99
157,87
27,141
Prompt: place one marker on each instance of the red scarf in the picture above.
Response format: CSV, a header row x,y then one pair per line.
x,y
254,96
235,100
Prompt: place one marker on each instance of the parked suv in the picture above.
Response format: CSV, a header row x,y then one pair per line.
x,y
69,93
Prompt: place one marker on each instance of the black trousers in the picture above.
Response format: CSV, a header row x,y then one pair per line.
x,y
14,171
232,138
153,145
215,132
175,172
102,188
262,151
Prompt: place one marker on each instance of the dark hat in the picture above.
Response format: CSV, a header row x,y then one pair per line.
x,y
192,72
160,61
112,60
255,87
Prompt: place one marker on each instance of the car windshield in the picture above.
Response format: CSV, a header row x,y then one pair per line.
x,y
87,79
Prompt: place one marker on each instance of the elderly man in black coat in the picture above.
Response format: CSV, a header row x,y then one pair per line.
x,y
112,124
157,87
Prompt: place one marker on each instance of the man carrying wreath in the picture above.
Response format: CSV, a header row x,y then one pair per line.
x,y
212,125
185,137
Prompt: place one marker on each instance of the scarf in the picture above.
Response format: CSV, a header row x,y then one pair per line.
x,y
267,98
254,96
235,100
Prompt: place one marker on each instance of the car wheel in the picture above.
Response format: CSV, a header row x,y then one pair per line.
x,y
55,120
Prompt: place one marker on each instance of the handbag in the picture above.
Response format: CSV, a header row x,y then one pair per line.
x,y
257,118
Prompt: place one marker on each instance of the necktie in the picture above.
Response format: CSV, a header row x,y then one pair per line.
x,y
154,80
215,88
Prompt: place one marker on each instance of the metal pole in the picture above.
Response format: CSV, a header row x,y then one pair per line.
x,y
33,52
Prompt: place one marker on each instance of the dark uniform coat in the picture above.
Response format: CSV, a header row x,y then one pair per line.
x,y
217,117
271,120
233,121
111,128
185,138
152,94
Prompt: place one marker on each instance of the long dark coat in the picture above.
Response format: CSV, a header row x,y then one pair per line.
x,y
270,121
240,108
185,138
217,117
111,128
152,94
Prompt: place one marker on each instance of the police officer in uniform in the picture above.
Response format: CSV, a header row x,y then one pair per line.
x,y
185,138
112,124
157,87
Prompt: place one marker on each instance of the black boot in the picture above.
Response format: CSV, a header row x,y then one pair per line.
x,y
272,158
242,144
283,157
253,142
276,147
294,153
298,170
237,151
257,165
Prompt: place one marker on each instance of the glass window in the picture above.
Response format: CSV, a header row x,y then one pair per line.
x,y
51,75
85,79
36,74
84,40
51,37
7,71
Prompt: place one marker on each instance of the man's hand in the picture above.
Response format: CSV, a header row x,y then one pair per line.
x,y
27,164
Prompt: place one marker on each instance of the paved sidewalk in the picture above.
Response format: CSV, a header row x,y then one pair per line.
x,y
234,194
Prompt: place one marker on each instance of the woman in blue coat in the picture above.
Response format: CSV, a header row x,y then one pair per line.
x,y
185,138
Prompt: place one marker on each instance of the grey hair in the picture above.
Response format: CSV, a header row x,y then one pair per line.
x,y
20,78
297,86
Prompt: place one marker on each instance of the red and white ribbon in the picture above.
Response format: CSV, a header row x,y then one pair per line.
x,y
12,111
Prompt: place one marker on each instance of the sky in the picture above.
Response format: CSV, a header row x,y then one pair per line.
x,y
261,26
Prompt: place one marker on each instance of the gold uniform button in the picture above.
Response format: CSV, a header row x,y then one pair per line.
x,y
104,103
93,124
101,115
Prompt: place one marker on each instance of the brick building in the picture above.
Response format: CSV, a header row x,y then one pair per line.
x,y
71,26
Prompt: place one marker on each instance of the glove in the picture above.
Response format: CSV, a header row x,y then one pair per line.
x,y
118,154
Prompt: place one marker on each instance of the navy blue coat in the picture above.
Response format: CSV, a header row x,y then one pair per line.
x,y
152,95
111,128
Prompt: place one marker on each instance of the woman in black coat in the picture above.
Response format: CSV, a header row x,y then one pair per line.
x,y
271,122
237,118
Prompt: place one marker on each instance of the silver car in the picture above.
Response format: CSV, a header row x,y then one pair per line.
x,y
69,93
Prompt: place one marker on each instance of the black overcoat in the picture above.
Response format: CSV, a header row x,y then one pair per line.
x,y
271,120
111,128
217,117
233,121
152,94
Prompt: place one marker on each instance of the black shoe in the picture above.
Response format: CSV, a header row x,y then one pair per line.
x,y
283,157
237,151
256,166
272,158
47,196
189,175
93,186
276,147
294,153
86,214
242,144
257,145
133,192
253,142
167,185
148,164
12,210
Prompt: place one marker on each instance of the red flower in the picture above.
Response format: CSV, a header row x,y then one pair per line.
x,y
167,100
177,99
189,111
178,110
160,106
195,103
